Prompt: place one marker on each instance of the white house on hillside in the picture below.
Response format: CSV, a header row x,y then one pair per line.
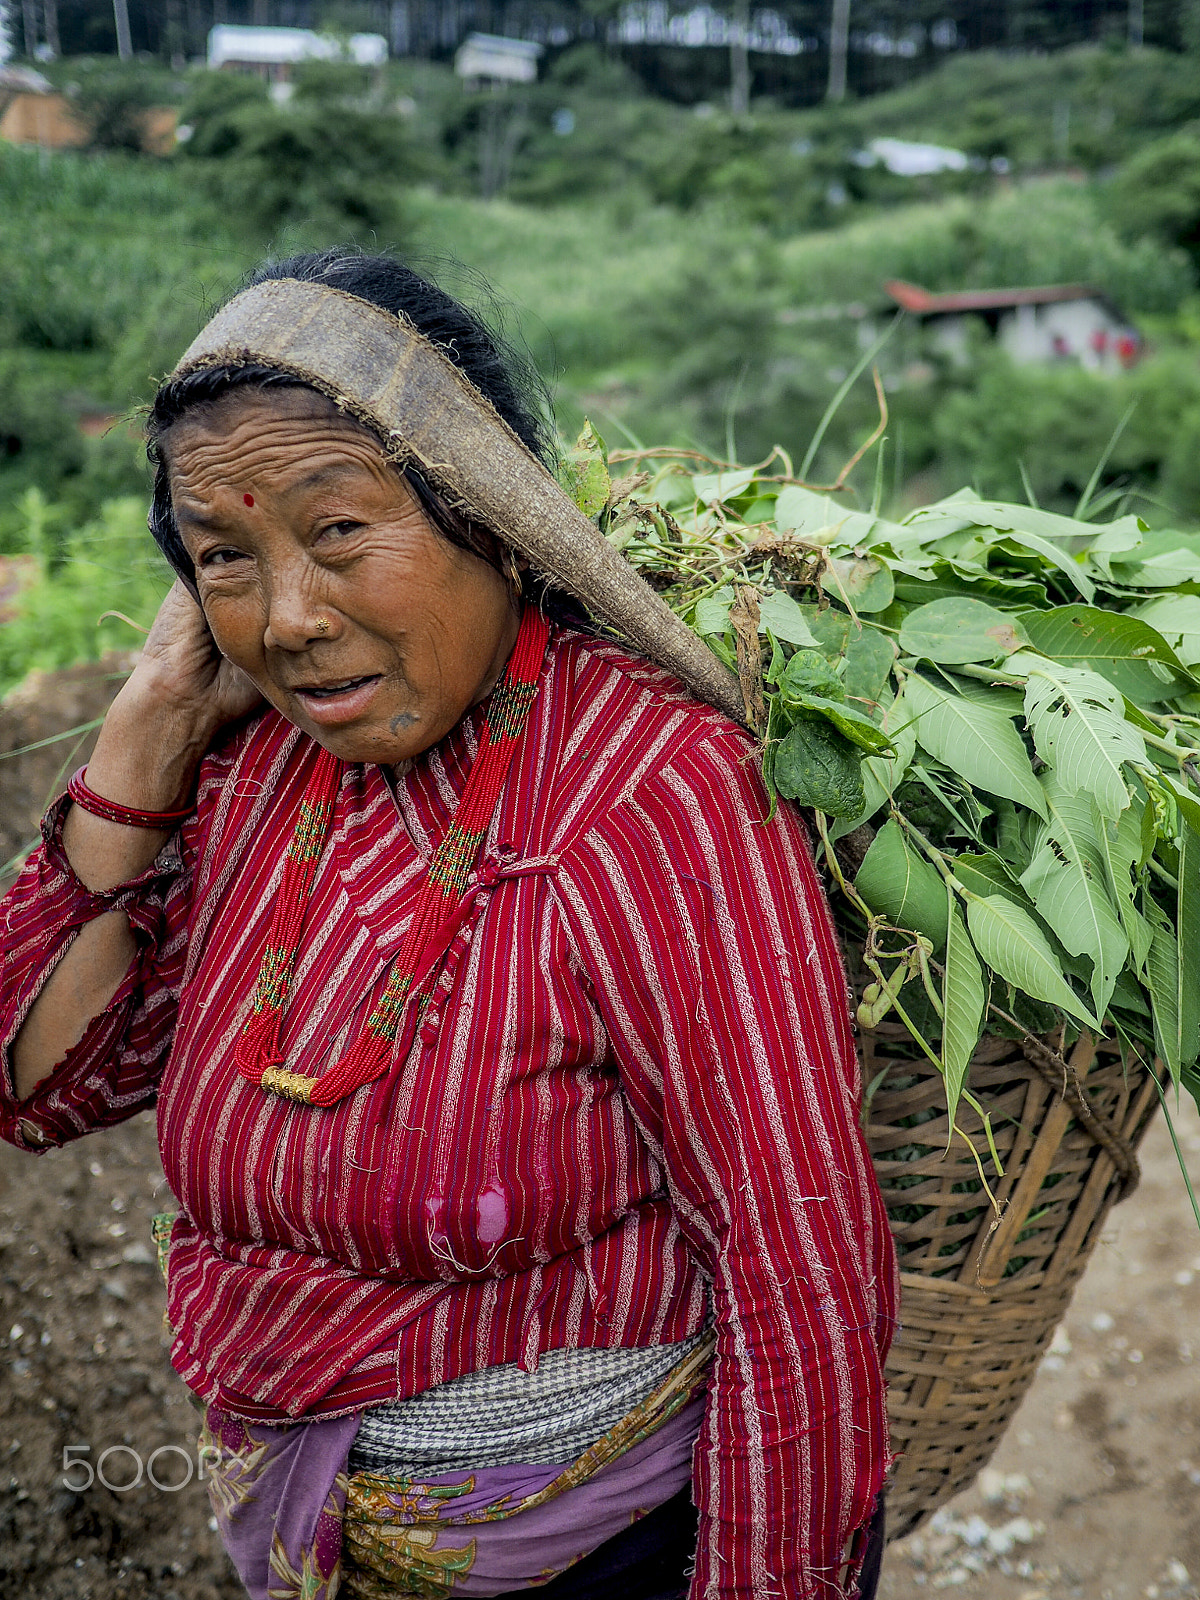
x,y
1062,322
487,58
273,52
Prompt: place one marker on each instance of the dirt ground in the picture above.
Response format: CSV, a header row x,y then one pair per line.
x,y
1094,1492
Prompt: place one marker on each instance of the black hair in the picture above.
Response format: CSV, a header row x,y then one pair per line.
x,y
495,368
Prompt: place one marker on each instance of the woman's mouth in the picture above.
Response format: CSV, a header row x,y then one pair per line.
x,y
341,701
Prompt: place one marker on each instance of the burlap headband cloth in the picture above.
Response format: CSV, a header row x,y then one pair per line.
x,y
378,368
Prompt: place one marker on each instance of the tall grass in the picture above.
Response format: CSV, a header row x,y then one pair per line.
x,y
108,564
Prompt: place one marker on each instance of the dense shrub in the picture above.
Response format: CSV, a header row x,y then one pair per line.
x,y
1157,192
107,563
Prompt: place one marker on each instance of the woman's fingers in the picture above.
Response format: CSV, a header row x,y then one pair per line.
x,y
181,664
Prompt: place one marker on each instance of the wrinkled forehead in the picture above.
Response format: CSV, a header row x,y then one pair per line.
x,y
278,442
274,406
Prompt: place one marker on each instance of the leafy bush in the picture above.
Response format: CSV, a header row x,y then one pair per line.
x,y
111,98
318,163
1049,233
107,563
210,112
1157,193
1089,106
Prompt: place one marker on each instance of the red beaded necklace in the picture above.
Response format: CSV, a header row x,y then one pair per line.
x,y
259,1054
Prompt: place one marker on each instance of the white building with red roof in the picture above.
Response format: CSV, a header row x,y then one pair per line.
x,y
1057,322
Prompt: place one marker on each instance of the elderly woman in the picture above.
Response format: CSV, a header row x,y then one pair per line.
x,y
499,1040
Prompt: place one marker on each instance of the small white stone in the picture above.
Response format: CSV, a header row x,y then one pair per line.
x,y
15,1331
975,1532
1177,1572
1185,1277
991,1485
1060,1345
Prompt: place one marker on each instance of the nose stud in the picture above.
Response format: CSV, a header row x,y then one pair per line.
x,y
322,624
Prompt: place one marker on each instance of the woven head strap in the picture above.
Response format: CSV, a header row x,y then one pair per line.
x,y
378,368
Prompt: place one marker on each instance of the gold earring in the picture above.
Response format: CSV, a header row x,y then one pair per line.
x,y
322,624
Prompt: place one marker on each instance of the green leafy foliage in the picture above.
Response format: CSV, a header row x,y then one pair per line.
x,y
963,1001
896,881
106,565
1025,804
817,767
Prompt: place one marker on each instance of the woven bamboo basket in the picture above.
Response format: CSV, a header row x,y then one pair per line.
x,y
981,1293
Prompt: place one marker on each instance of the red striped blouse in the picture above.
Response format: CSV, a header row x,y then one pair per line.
x,y
632,1098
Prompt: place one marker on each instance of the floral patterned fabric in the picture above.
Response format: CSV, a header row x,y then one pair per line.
x,y
298,1528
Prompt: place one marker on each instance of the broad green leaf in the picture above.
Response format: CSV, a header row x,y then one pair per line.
x,y
823,521
816,767
1067,883
1013,945
946,583
870,656
714,487
1117,542
988,874
831,628
1028,528
901,885
1123,849
998,696
1187,925
856,727
1085,633
958,630
799,510
1161,561
585,472
1177,618
779,614
1079,728
809,672
861,582
973,739
777,725
1177,795
881,774
962,1006
1162,980
712,612
1125,649
1013,518
1128,994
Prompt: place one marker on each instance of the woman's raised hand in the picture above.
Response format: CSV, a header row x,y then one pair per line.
x,y
178,697
182,670
180,694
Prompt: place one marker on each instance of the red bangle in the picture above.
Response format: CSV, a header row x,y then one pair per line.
x,y
88,800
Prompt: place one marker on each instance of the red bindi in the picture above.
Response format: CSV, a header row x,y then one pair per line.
x,y
249,499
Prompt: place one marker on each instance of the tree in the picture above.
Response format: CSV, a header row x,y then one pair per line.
x,y
1157,192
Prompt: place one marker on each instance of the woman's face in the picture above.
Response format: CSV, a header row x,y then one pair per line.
x,y
322,579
